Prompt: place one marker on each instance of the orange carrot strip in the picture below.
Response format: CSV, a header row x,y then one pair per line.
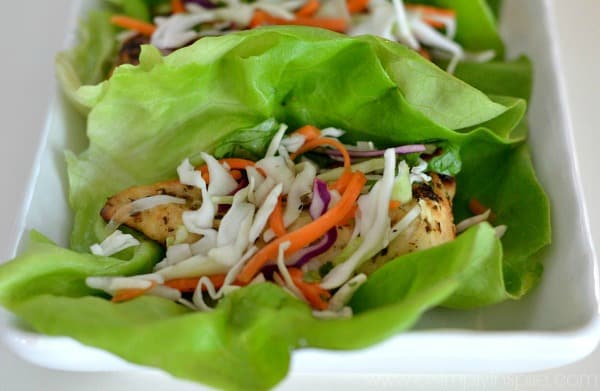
x,y
258,19
316,296
335,24
133,24
309,8
308,233
395,204
177,7
130,294
430,13
190,284
430,10
355,6
233,164
276,219
309,132
236,174
434,22
341,184
310,145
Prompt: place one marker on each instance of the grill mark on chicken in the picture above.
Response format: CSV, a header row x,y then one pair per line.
x,y
423,190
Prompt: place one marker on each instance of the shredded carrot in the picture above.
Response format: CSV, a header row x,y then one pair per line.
x,y
395,204
177,7
258,19
316,296
319,142
341,184
233,164
428,10
308,233
309,8
133,24
130,294
276,219
431,15
335,24
355,6
309,132
236,174
434,22
187,285
312,144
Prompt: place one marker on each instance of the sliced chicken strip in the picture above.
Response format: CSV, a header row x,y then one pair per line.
x,y
160,222
433,226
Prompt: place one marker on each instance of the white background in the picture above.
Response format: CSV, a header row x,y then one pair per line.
x,y
32,32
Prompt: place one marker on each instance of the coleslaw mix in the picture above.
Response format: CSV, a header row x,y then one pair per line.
x,y
239,233
260,190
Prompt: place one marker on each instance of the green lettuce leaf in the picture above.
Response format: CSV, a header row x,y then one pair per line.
x,y
136,138
245,343
496,7
90,61
141,9
46,268
250,143
138,9
283,73
448,163
145,120
508,78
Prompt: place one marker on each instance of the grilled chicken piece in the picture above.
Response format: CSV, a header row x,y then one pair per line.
x,y
160,222
434,226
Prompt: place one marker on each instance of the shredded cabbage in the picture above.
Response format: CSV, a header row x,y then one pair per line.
x,y
114,243
375,223
301,186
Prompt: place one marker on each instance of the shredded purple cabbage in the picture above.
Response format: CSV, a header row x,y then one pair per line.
x,y
320,200
401,150
318,248
319,205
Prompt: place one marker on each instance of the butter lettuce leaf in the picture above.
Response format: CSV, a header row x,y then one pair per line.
x,y
247,341
46,268
145,120
507,78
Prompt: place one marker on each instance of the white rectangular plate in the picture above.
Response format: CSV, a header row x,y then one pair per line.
x,y
555,324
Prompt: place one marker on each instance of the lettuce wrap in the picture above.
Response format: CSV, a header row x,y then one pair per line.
x,y
144,120
96,54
